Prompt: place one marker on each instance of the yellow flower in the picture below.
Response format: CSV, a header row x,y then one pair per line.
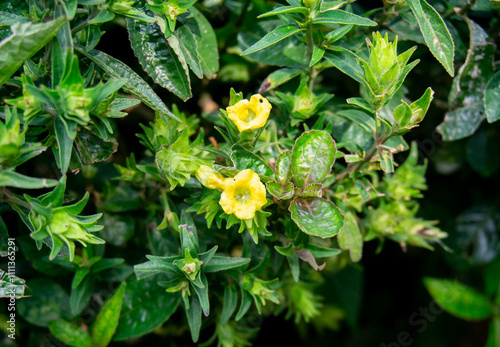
x,y
248,115
243,195
210,178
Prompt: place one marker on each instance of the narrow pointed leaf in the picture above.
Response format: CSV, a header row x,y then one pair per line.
x,y
273,37
436,34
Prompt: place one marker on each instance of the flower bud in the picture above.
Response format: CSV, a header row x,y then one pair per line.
x,y
210,178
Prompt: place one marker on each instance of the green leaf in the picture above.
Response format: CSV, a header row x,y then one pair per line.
x,y
467,92
48,301
316,55
435,33
458,299
107,319
7,19
277,78
279,190
222,263
346,61
92,148
194,318
285,10
272,38
9,178
461,122
146,306
317,217
290,52
492,98
342,17
206,41
26,39
10,283
313,157
135,84
350,238
293,262
230,302
157,58
244,159
65,135
69,333
80,296
284,166
323,252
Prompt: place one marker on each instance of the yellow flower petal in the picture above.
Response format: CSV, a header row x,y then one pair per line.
x,y
248,115
243,195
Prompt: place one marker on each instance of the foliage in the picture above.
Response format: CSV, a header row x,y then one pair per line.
x,y
261,198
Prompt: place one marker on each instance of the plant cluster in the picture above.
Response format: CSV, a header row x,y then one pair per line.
x,y
246,208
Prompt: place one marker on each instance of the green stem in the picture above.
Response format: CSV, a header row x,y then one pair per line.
x,y
310,49
9,197
378,140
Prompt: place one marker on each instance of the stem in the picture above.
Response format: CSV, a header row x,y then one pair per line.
x,y
310,49
85,23
356,166
9,197
378,140
467,6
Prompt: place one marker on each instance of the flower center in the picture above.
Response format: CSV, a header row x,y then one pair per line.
x,y
242,195
189,268
250,115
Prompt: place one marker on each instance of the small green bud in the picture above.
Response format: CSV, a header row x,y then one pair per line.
x,y
189,265
176,167
182,287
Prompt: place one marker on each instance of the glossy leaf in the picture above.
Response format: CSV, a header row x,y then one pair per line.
x,y
272,38
467,92
10,285
284,166
313,157
342,17
461,122
93,149
317,217
134,85
492,98
107,319
244,159
26,39
158,58
279,190
458,299
146,306
69,333
435,33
